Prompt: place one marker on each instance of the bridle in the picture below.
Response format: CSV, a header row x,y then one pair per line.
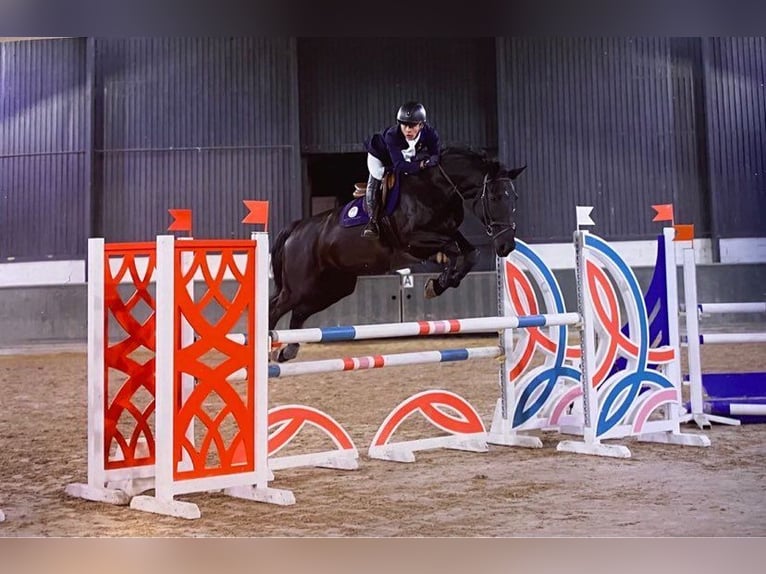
x,y
491,224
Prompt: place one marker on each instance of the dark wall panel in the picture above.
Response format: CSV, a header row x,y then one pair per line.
x,y
602,122
42,214
139,188
199,124
42,141
735,90
691,191
352,87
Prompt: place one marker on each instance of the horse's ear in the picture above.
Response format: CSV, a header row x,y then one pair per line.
x,y
516,172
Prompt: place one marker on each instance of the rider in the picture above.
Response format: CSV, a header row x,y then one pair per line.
x,y
408,147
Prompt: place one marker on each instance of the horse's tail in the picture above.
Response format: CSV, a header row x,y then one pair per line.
x,y
277,251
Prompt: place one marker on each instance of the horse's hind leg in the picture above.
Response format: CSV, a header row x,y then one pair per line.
x,y
329,288
279,305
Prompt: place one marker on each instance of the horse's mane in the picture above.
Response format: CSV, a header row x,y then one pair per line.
x,y
490,163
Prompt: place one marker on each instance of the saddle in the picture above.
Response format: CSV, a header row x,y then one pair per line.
x,y
354,212
360,188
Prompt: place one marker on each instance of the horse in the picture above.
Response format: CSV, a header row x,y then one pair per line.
x,y
316,261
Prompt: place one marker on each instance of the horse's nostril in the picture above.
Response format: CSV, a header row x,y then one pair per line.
x,y
504,248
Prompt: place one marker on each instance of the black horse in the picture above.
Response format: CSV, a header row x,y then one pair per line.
x,y
316,261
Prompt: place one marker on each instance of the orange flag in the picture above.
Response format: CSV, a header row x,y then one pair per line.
x,y
664,212
258,212
684,232
182,220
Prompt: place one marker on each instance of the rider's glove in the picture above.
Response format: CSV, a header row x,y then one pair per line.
x,y
432,161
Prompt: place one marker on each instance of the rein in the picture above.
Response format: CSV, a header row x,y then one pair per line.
x,y
452,183
491,224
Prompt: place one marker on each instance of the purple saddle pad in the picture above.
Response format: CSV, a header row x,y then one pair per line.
x,y
354,213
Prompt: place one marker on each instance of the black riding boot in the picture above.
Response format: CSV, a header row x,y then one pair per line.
x,y
371,230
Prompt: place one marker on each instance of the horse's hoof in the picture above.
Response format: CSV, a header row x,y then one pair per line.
x,y
429,290
433,289
288,353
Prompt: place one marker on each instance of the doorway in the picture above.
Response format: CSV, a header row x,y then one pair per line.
x,y
331,178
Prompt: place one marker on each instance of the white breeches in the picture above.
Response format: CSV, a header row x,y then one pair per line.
x,y
375,166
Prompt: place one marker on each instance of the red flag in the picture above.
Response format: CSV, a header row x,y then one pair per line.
x,y
182,220
664,212
258,212
684,232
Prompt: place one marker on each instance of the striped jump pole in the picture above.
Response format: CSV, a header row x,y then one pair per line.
x,y
718,308
755,408
422,328
376,362
414,329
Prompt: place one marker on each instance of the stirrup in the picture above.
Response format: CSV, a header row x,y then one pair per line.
x,y
371,231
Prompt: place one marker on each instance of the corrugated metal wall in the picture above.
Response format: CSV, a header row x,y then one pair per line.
x,y
199,124
691,191
352,87
203,123
602,122
381,299
42,156
735,90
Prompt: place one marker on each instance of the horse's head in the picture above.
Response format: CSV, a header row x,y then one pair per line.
x,y
491,187
496,207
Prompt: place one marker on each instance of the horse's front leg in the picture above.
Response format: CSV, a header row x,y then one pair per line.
x,y
435,287
454,273
470,256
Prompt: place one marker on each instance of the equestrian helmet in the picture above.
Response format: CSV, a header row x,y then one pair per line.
x,y
411,113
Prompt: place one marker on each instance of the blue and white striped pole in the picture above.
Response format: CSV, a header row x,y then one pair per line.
x,y
416,328
278,370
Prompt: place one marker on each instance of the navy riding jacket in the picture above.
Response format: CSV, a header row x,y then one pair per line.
x,y
388,147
